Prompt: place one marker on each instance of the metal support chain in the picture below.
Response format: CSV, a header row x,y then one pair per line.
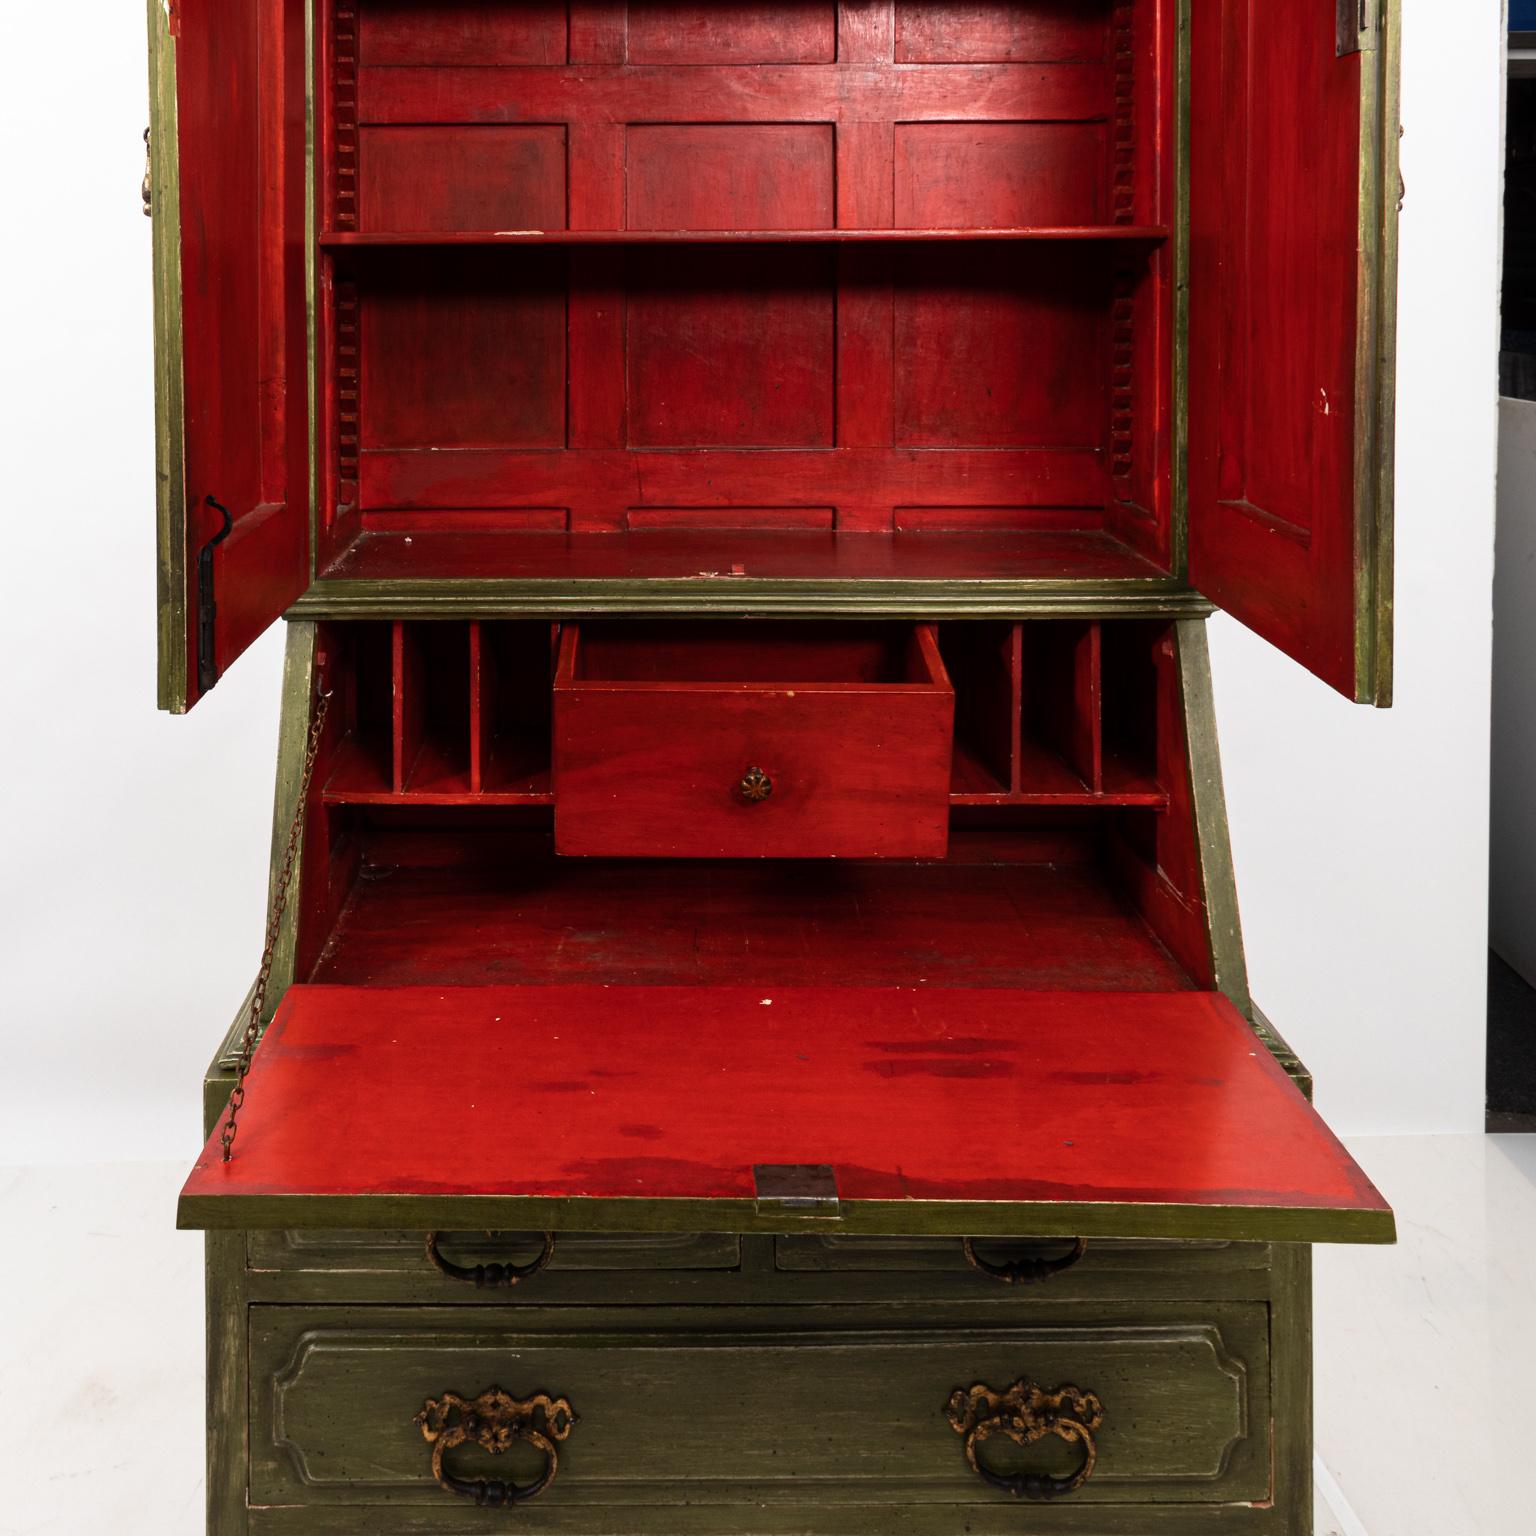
x,y
280,892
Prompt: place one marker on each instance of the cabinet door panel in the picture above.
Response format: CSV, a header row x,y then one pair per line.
x,y
1293,205
232,411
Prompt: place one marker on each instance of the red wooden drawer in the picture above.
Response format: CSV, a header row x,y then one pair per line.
x,y
746,740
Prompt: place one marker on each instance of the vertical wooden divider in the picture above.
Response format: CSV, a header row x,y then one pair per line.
x,y
476,708
482,706
1088,706
1016,710
408,715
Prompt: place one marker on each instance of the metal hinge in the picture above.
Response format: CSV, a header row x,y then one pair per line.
x,y
797,1189
207,608
1360,24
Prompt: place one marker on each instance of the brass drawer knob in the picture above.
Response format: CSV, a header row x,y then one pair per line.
x,y
495,1422
1030,1270
1026,1414
755,786
489,1276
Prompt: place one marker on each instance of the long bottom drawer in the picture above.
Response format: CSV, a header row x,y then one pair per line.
x,y
755,1407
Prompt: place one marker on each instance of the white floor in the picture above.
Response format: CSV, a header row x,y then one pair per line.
x,y
1426,1353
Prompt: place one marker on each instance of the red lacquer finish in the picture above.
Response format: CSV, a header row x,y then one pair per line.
x,y
664,1093
474,906
240,144
505,338
1275,288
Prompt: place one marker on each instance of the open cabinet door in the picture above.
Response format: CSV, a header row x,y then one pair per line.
x,y
1294,196
227,187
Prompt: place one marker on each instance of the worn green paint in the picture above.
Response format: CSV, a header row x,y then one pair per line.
x,y
1048,1218
170,454
754,1405
1275,1043
747,597
1212,842
227,1394
299,693
1005,1518
1290,1342
378,1268
1376,355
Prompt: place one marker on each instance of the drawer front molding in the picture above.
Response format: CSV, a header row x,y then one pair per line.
x,y
749,1404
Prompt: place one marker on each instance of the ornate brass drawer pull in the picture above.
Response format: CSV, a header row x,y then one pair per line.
x,y
1026,1271
488,1276
496,1422
1025,1414
755,786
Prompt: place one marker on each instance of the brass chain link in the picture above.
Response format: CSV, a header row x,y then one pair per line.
x,y
280,892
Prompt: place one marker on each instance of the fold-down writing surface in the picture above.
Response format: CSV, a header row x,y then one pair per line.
x,y
648,1108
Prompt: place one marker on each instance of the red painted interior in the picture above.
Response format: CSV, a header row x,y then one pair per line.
x,y
449,714
240,144
870,372
1275,203
655,290
677,1092
852,724
453,899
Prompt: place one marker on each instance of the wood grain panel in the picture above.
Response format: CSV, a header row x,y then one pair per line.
x,y
974,31
467,350
731,348
999,175
762,93
473,32
484,178
740,32
998,350
600,486
729,176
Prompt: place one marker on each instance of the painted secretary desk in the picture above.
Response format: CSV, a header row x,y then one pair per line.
x,y
753,1030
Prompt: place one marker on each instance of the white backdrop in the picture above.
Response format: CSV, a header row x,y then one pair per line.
x,y
135,844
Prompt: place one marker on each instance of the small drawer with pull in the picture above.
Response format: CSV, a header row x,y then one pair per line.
x,y
1055,1266
489,1260
752,740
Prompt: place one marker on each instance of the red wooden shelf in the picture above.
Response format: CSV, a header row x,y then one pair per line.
x,y
651,1108
352,239
1045,780
361,777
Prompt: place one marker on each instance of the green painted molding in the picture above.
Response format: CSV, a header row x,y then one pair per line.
x,y
1212,840
1050,1218
748,598
170,445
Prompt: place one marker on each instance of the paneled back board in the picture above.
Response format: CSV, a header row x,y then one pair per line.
x,y
854,384
677,306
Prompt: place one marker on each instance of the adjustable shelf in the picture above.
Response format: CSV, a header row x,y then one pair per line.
x,y
1149,234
